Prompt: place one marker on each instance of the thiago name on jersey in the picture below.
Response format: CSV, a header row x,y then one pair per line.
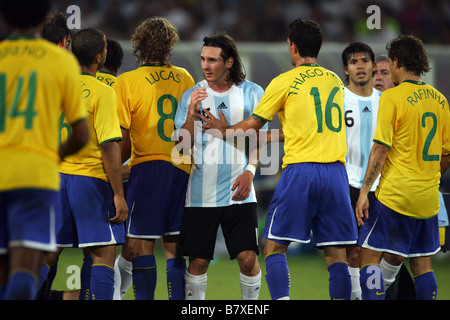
x,y
309,73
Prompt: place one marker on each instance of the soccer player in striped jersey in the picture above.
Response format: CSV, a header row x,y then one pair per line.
x,y
38,81
147,100
313,191
360,112
220,189
411,150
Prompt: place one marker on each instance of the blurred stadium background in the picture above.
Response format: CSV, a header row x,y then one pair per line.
x,y
260,29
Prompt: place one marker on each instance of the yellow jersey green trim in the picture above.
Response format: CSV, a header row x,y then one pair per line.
x,y
382,143
260,117
112,139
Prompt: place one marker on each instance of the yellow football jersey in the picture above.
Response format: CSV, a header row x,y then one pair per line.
x,y
309,101
147,100
38,81
106,77
414,122
100,102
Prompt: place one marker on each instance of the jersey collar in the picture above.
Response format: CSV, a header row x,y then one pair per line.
x,y
152,65
86,74
309,65
421,83
24,37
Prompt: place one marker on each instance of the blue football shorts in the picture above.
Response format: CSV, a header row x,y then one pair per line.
x,y
87,207
156,195
312,197
389,231
27,219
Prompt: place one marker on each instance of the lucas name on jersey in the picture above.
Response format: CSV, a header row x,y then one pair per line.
x,y
163,75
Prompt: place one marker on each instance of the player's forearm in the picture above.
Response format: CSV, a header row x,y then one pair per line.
x,y
189,127
113,165
377,157
445,163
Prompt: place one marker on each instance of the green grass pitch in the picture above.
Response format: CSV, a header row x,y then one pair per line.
x,y
309,276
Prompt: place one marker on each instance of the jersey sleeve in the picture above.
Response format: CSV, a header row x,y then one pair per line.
x,y
272,101
74,109
387,112
181,114
258,94
446,131
123,103
106,120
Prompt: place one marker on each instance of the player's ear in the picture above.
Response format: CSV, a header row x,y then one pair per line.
x,y
345,70
229,63
97,58
396,63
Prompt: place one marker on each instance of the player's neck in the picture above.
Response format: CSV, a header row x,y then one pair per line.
x,y
112,72
305,60
34,32
404,76
92,69
222,86
362,91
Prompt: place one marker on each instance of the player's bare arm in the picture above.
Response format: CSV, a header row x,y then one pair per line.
x,y
113,168
445,163
125,145
197,96
241,128
377,157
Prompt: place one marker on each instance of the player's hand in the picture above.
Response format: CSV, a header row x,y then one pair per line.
x,y
121,209
244,186
212,125
197,96
362,209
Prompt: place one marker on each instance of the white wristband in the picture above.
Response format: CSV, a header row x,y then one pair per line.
x,y
251,168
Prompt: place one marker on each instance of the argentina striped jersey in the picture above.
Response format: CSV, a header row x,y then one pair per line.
x,y
361,120
218,162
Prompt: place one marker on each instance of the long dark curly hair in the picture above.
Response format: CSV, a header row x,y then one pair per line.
x,y
153,41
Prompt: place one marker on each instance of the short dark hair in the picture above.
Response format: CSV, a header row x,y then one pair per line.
x,y
356,47
307,36
410,53
55,27
114,57
86,44
24,14
227,44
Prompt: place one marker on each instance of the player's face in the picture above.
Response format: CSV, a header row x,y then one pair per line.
x,y
359,69
215,69
382,78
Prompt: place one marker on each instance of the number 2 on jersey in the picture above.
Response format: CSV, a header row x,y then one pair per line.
x,y
430,136
328,110
29,113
